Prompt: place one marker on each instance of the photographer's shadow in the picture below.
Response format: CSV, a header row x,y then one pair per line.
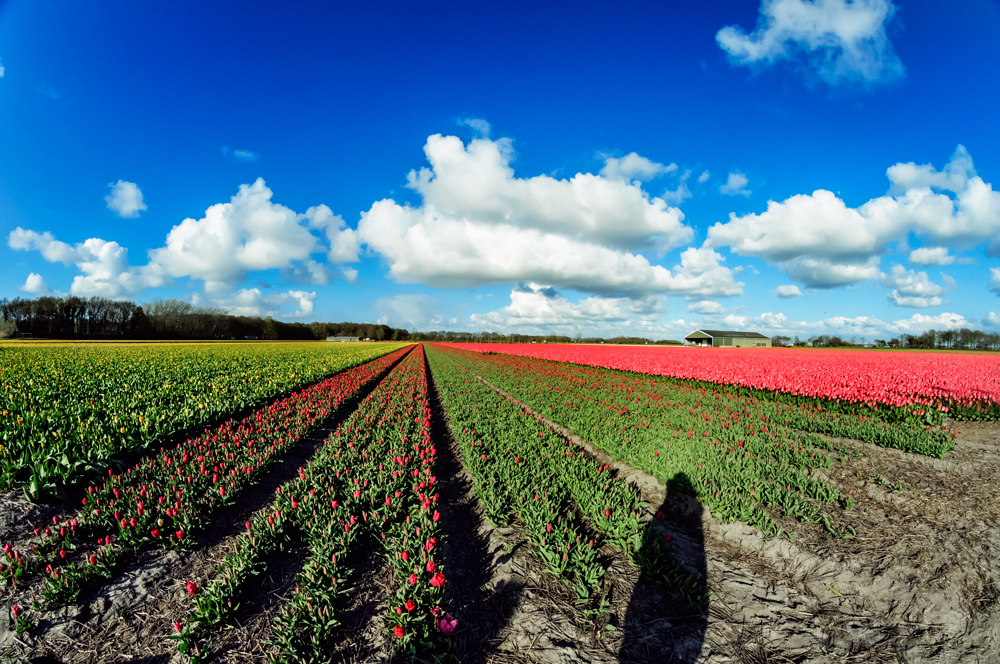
x,y
668,612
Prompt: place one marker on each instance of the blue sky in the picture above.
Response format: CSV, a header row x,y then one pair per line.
x,y
786,166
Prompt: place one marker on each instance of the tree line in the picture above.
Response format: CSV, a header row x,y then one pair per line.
x,y
100,318
500,338
962,339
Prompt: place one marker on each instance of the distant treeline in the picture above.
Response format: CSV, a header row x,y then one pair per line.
x,y
498,338
965,338
101,318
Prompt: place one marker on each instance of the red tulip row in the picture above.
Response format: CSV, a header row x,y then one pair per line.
x,y
167,497
372,480
909,385
520,466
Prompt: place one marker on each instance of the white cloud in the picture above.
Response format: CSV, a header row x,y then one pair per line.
x,y
125,199
928,256
36,285
921,323
479,224
787,290
840,40
706,308
634,167
824,273
245,155
2,71
344,242
995,280
915,301
536,307
481,127
247,233
254,302
703,178
827,243
104,265
915,289
736,185
992,319
307,272
410,310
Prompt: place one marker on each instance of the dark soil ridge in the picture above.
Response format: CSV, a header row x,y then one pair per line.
x,y
156,579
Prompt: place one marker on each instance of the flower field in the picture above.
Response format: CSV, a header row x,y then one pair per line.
x,y
69,408
431,503
964,385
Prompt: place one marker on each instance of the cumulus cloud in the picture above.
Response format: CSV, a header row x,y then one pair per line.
x,y
245,155
921,323
344,241
2,71
992,319
995,280
839,40
706,308
411,310
307,272
125,199
254,302
634,167
787,290
915,289
736,185
779,323
36,285
104,265
480,126
703,178
928,256
248,233
479,224
822,242
543,308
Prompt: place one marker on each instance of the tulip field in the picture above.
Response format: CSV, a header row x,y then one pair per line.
x,y
905,384
297,502
70,408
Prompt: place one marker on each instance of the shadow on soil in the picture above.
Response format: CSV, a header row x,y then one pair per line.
x,y
485,610
667,614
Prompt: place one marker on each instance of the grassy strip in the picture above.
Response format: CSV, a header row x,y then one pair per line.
x,y
371,479
67,410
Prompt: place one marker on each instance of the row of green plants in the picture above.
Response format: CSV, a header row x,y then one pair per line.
x,y
371,483
65,410
171,496
566,503
745,458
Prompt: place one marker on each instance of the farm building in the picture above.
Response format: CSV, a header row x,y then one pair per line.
x,y
726,339
343,338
